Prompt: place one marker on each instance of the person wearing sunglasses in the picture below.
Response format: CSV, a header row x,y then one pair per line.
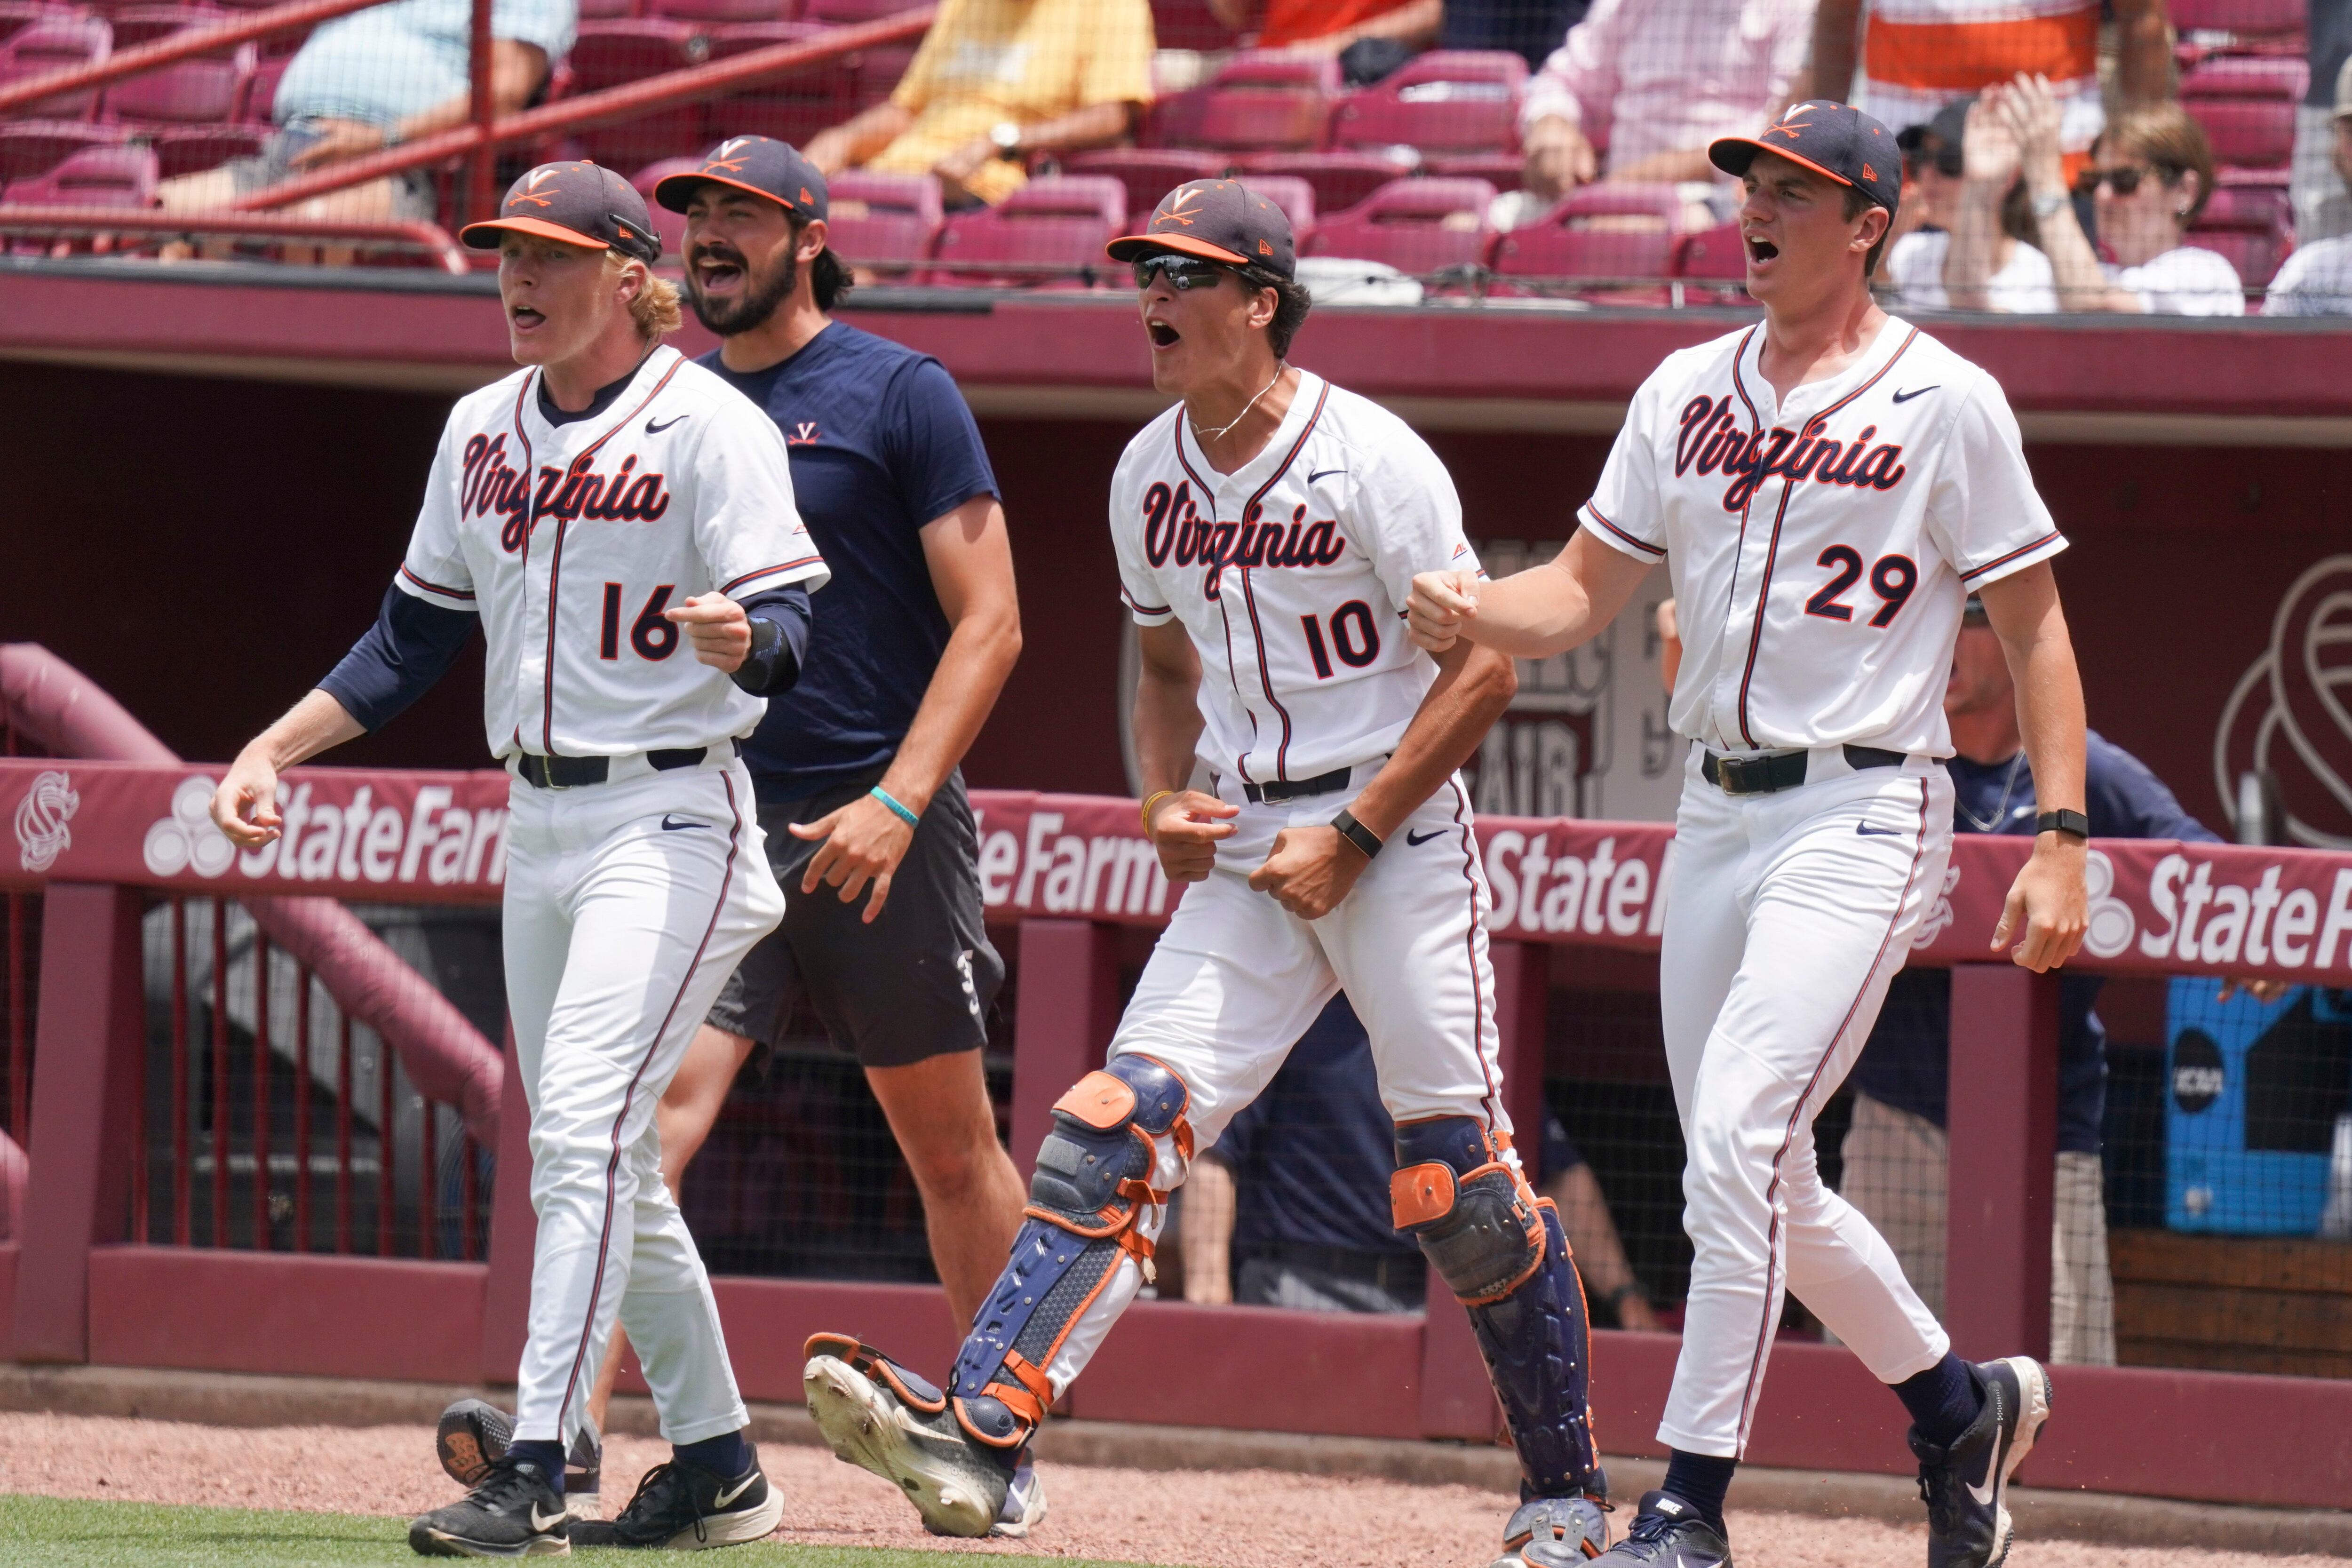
x,y
1973,246
1298,755
2150,173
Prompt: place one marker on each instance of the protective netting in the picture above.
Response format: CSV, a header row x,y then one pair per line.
x,y
1491,150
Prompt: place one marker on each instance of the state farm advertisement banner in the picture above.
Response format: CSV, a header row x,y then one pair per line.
x,y
2156,906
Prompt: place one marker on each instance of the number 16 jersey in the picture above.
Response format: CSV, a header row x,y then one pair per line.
x,y
1821,549
1291,575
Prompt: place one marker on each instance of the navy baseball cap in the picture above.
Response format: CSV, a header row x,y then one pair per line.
x,y
1221,220
578,203
760,165
1833,139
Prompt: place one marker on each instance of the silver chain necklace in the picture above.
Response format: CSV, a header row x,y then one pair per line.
x,y
2001,812
1205,436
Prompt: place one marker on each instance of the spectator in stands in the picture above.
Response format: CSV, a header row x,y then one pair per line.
x,y
1529,28
995,81
1327,26
1895,1170
1916,56
1973,250
1291,1207
377,77
1639,88
2323,204
2149,174
2318,279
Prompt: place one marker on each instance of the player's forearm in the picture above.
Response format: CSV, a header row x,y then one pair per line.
x,y
862,135
313,725
978,660
2051,714
1836,29
1474,685
1096,125
2144,61
1167,729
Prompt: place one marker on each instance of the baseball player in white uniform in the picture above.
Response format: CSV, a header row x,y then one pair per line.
x,y
620,524
1268,529
1826,489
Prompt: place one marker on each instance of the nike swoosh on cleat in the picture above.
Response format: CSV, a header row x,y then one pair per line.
x,y
1420,838
540,1523
670,826
654,430
1865,829
1915,392
725,1498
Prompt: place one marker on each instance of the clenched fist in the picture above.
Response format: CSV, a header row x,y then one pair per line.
x,y
1440,603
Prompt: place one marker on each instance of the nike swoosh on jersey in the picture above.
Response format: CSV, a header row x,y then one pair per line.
x,y
737,1489
1323,474
670,826
654,430
1865,829
1415,838
1915,392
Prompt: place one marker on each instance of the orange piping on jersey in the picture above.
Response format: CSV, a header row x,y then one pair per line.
x,y
1963,56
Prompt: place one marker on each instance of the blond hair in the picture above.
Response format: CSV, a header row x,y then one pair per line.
x,y
656,308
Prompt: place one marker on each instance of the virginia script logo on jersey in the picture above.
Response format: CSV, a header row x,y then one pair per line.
x,y
492,486
1172,526
1712,440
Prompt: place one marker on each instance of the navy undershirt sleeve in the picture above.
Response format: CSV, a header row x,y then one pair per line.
x,y
779,634
935,443
411,646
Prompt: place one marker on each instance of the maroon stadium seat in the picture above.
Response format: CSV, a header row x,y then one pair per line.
x,y
608,10
608,54
1147,172
1711,266
879,70
1448,100
55,44
136,25
844,12
1420,226
2237,26
1059,223
884,223
791,109
201,91
2254,225
29,148
1268,98
15,14
1341,180
1294,196
1190,24
723,11
192,149
2246,104
1504,171
260,93
670,225
118,176
1613,233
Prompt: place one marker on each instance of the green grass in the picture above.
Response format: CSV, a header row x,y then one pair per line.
x,y
71,1533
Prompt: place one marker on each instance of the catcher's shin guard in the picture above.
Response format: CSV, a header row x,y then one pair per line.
x,y
1502,1252
1119,1145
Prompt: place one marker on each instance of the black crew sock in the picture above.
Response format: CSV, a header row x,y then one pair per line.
x,y
726,1455
1943,1400
546,1454
1701,1481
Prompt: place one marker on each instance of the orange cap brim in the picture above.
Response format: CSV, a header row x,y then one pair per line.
x,y
686,195
1756,146
489,227
1134,246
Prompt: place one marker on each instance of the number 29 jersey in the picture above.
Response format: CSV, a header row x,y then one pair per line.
x,y
1291,575
1821,550
570,540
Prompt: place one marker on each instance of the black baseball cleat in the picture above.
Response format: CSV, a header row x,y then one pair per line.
x,y
474,1433
681,1506
1667,1533
1555,1532
1966,1486
512,1513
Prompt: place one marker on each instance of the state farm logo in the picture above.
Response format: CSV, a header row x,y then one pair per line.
x,y
2112,923
186,841
1939,918
41,818
2289,714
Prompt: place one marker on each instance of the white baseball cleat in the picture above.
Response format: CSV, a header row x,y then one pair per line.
x,y
901,1428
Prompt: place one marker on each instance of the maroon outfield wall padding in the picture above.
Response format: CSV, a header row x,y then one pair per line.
x,y
446,1058
294,1315
2003,1112
14,1172
9,1255
1064,1011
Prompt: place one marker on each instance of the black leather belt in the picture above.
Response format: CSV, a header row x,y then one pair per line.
x,y
1782,770
572,773
1275,792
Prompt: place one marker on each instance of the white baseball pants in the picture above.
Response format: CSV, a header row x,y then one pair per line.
x,y
1237,979
1789,914
627,905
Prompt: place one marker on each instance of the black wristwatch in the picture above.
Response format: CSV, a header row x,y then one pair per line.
x,y
2072,822
1357,834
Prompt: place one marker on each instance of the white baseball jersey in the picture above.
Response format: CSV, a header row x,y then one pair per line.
x,y
1821,552
571,540
1291,574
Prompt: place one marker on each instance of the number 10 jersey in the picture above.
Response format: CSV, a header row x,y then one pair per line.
x,y
1291,575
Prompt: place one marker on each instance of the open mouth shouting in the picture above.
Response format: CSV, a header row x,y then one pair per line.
x,y
524,319
1161,334
719,270
1761,250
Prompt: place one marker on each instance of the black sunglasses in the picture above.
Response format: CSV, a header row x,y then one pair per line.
x,y
1946,159
2125,181
1184,271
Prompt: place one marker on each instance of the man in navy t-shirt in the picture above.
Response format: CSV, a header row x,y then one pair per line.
x,y
1894,1151
861,802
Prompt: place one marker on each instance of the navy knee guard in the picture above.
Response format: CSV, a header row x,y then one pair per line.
x,y
1504,1255
1094,1176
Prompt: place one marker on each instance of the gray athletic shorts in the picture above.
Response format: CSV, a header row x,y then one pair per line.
x,y
414,199
916,983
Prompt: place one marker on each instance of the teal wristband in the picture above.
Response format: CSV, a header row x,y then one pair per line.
x,y
908,818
